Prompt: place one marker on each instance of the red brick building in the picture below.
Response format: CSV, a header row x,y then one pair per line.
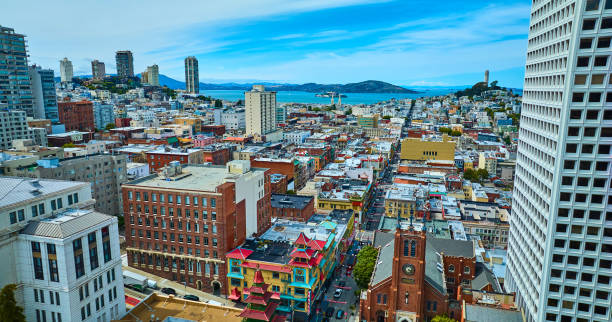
x,y
76,116
424,278
292,207
161,157
180,225
278,183
216,130
122,121
218,154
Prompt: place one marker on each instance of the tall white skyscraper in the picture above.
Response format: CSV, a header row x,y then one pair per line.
x,y
560,243
260,107
192,77
66,72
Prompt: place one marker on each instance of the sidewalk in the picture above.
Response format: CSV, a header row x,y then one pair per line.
x,y
180,288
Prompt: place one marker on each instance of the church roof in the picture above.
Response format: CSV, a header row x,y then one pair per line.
x,y
383,267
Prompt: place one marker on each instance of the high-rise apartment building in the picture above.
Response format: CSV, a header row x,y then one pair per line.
x,y
43,91
125,63
260,107
103,114
192,77
14,126
66,71
15,86
560,243
182,221
98,69
63,257
153,75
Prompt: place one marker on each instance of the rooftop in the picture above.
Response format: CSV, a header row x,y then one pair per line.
x,y
290,201
193,177
491,314
65,224
16,190
170,308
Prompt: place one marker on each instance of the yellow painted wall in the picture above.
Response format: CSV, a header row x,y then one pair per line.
x,y
417,149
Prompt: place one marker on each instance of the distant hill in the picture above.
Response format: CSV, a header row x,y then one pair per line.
x,y
369,86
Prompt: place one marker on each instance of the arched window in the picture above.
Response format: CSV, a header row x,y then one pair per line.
x,y
413,248
451,268
406,247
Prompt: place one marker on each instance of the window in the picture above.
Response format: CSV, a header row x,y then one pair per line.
x,y
603,42
578,97
588,24
592,5
583,62
466,269
606,23
79,266
594,97
451,268
600,61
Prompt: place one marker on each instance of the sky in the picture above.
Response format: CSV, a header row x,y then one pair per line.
x,y
404,42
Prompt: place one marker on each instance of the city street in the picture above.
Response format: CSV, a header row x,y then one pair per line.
x,y
346,300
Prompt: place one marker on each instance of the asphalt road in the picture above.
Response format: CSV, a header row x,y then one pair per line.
x,y
345,301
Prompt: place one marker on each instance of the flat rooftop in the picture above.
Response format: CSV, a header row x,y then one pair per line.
x,y
169,308
290,201
65,224
193,177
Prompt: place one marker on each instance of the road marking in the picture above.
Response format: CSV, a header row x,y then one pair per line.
x,y
339,302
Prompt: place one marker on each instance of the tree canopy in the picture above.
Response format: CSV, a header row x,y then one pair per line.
x,y
218,103
476,175
366,259
110,126
442,318
9,310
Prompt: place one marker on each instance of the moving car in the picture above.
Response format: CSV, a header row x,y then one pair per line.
x,y
168,291
191,297
338,293
339,314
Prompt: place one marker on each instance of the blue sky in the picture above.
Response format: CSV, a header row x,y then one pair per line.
x,y
406,42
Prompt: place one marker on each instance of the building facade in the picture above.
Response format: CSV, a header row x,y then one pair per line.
x,y
103,114
153,75
16,88
292,207
66,71
260,107
560,243
98,70
70,268
43,92
76,116
192,75
125,63
105,172
14,126
182,222
159,158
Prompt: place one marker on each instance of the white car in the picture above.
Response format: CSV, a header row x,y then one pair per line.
x,y
338,293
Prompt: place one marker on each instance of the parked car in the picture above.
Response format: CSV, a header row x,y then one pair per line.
x,y
329,312
168,291
191,297
338,293
339,314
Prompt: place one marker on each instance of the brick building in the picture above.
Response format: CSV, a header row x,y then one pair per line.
x,y
425,277
161,157
182,222
216,130
77,116
292,207
218,154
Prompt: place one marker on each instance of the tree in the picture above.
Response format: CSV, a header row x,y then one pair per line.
x,y
290,192
366,259
470,174
444,130
386,117
110,126
218,103
68,145
442,318
9,311
482,174
455,133
349,111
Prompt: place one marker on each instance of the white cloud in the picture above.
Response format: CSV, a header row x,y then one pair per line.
x,y
88,28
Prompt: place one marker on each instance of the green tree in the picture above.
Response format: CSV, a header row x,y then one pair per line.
x,y
386,117
316,109
68,145
109,126
9,311
218,103
444,130
482,174
455,133
290,192
470,174
366,259
349,111
442,318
